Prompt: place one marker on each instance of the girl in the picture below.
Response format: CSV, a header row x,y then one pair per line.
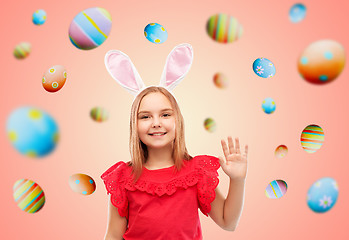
x,y
157,194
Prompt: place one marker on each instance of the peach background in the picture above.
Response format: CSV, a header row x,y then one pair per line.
x,y
89,147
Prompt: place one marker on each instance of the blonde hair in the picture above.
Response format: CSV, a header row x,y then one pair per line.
x,y
138,149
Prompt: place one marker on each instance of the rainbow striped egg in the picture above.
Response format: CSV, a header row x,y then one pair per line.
x,y
28,195
99,114
224,28
90,28
276,189
312,138
22,50
210,124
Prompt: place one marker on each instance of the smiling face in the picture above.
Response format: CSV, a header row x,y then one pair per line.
x,y
156,121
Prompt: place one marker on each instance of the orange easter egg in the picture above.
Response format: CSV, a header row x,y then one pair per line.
x,y
54,78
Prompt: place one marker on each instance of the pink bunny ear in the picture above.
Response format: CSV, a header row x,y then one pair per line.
x,y
121,68
177,66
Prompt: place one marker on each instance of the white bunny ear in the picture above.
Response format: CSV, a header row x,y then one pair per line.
x,y
121,68
177,66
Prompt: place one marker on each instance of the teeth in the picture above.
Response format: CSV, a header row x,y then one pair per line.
x,y
158,134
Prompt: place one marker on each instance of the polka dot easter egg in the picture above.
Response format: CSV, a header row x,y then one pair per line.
x,y
264,68
220,80
268,105
281,151
322,61
90,28
312,138
322,195
82,183
276,189
54,78
22,50
155,33
39,17
28,195
32,131
224,28
297,13
210,124
99,114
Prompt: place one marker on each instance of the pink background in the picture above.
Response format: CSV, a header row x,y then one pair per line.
x,y
89,147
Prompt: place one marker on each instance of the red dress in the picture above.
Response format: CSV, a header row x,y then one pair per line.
x,y
164,204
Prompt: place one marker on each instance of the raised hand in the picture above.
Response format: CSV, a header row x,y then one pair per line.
x,y
234,163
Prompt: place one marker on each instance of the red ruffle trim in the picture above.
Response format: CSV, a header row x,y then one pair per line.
x,y
203,172
114,180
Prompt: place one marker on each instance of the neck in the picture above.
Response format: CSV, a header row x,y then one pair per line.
x,y
160,157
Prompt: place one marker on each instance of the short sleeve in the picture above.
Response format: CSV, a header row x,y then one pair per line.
x,y
114,180
207,167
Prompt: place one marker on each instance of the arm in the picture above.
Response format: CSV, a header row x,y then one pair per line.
x,y
116,224
226,212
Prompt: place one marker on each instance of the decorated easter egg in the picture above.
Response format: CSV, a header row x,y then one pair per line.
x,y
268,105
82,183
32,132
322,61
90,28
224,28
210,124
28,195
263,67
220,80
276,189
39,17
297,12
281,151
22,50
54,78
322,195
312,138
99,114
155,33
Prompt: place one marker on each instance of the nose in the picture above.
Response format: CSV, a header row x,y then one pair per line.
x,y
156,122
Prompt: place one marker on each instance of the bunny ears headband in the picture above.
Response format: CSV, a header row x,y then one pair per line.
x,y
121,68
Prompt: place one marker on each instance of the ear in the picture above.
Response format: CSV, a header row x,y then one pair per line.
x,y
121,68
177,66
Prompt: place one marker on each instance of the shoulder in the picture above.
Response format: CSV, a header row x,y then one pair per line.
x,y
117,171
206,162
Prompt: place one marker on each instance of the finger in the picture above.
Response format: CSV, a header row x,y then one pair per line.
x,y
225,148
237,145
246,150
231,145
221,161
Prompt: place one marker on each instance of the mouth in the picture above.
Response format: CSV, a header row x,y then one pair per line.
x,y
157,134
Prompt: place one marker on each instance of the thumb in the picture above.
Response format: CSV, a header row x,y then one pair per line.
x,y
221,161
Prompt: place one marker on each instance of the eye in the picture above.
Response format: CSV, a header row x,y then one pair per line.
x,y
166,115
144,117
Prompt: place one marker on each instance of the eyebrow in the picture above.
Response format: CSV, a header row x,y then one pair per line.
x,y
163,110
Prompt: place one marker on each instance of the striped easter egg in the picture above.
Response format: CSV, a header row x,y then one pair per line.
x,y
276,189
210,124
312,138
28,195
22,50
90,28
224,28
99,114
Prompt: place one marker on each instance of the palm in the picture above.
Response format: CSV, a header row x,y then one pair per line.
x,y
235,162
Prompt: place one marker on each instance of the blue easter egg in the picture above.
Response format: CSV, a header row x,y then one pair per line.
x,y
263,67
297,13
32,132
39,17
268,105
155,33
322,195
